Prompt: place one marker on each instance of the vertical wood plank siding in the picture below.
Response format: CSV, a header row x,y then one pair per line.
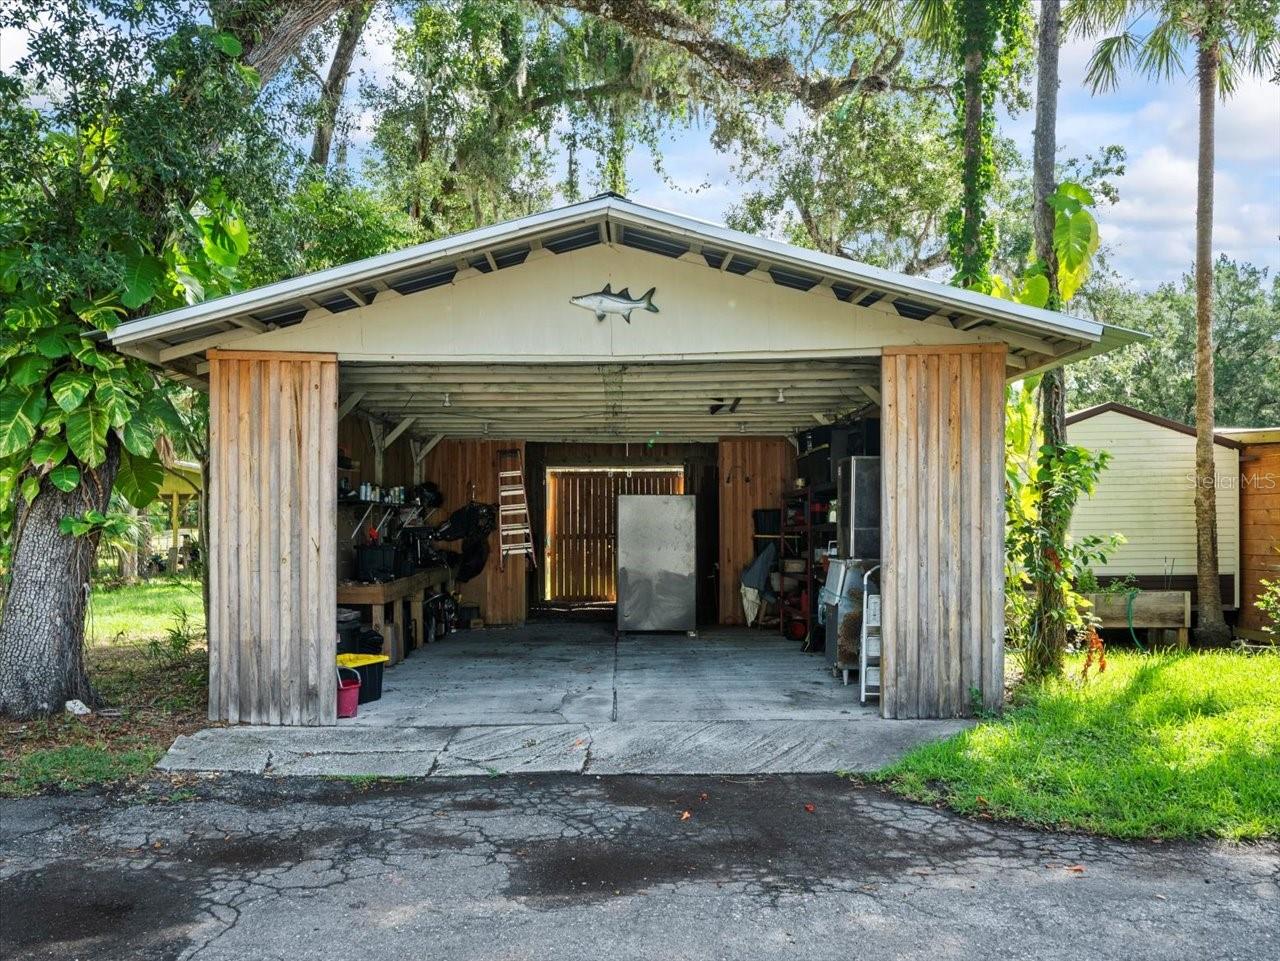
x,y
272,583
754,471
462,467
582,530
1259,527
942,443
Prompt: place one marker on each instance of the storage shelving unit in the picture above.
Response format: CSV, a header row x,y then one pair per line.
x,y
802,536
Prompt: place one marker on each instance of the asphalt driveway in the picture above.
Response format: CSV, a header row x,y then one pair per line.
x,y
569,867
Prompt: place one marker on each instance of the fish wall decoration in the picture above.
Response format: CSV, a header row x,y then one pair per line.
x,y
605,302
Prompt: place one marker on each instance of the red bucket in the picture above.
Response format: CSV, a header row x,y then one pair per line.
x,y
348,693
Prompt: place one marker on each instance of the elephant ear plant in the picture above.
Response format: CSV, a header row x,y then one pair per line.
x,y
112,205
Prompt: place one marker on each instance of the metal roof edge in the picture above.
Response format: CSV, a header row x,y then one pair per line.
x,y
858,272
626,212
355,272
1156,420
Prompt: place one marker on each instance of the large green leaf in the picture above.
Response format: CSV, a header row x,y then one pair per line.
x,y
54,344
29,370
87,434
138,436
1035,292
70,388
142,275
228,44
49,451
1073,237
114,393
20,411
139,479
65,477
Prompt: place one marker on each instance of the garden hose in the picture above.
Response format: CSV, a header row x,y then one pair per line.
x,y
1130,597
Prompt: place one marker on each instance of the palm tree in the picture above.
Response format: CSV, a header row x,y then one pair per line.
x,y
1229,38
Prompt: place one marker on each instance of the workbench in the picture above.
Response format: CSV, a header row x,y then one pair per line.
x,y
378,595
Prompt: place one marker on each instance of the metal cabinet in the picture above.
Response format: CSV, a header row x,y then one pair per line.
x,y
657,562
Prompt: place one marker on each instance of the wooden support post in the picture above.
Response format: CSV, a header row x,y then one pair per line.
x,y
349,403
377,430
942,523
396,431
174,512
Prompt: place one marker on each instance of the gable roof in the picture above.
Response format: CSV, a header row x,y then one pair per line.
x,y
1142,415
1037,338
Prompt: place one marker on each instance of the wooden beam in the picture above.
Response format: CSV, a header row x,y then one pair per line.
x,y
871,392
426,448
201,344
349,403
249,323
356,296
396,431
377,430
1026,342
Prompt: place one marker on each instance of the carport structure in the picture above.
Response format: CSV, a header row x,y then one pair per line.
x,y
456,349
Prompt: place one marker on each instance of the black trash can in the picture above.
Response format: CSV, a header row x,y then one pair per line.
x,y
370,675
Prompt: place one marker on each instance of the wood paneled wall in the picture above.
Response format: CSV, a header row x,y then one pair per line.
x,y
942,529
457,465
1259,526
272,583
397,460
581,560
754,471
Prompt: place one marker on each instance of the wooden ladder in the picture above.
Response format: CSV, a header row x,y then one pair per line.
x,y
515,533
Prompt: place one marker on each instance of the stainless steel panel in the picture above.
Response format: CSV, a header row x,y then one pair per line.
x,y
657,563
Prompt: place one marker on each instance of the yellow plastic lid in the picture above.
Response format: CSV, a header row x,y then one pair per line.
x,y
361,660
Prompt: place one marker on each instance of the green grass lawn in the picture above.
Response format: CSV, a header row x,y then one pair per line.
x,y
1159,746
145,610
152,684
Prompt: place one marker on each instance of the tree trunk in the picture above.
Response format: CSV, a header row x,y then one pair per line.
x,y
1048,636
42,633
272,32
335,83
971,210
1211,628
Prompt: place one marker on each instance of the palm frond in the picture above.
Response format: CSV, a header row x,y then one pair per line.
x,y
1111,55
1160,53
1088,18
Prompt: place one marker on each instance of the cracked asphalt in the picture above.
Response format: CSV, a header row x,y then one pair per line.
x,y
570,867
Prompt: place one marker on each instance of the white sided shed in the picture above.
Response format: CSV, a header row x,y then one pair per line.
x,y
1147,493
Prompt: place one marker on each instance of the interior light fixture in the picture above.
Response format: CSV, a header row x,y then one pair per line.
x,y
447,402
782,398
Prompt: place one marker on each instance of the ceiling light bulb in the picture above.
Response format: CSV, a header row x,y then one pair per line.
x,y
742,427
782,398
447,402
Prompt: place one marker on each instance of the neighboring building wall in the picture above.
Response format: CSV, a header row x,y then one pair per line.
x,y
467,468
272,503
1147,493
942,586
1259,526
754,471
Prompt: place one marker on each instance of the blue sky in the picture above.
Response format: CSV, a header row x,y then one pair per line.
x,y
1150,231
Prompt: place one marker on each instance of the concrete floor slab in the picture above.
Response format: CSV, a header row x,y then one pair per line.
x,y
757,747
515,749
559,697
